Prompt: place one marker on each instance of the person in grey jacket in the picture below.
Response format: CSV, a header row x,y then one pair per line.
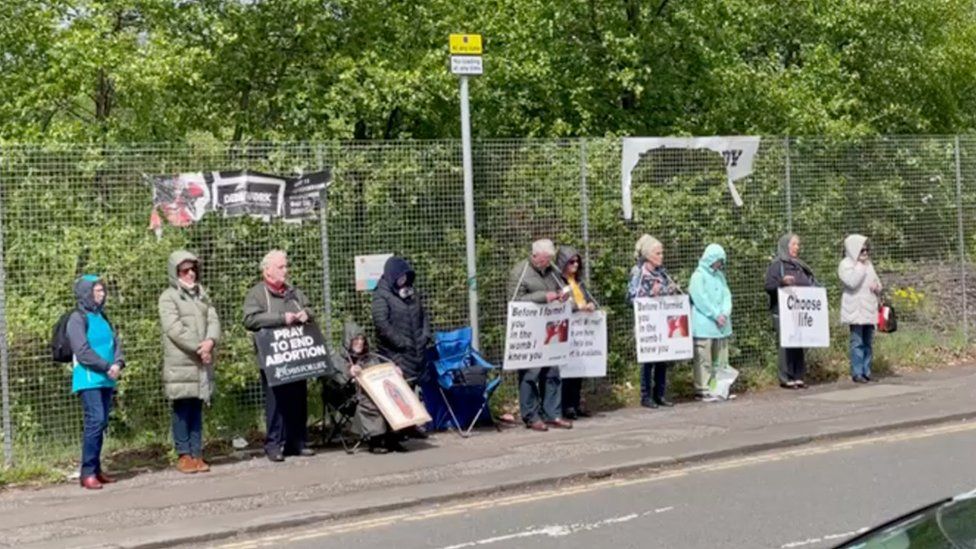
x,y
540,392
190,331
273,303
368,421
859,303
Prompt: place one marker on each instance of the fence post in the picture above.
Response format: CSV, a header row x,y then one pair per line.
x,y
789,187
585,210
962,243
324,238
8,434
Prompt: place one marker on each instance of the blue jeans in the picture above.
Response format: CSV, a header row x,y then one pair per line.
x,y
188,426
660,375
95,405
862,339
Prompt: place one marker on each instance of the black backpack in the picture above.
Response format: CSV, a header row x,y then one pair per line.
x,y
60,344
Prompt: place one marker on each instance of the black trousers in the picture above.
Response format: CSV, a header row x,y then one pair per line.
x,y
286,416
572,388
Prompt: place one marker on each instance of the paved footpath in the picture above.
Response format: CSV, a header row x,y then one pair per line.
x,y
168,508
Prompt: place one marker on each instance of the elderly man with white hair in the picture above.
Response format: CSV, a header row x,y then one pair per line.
x,y
273,303
540,394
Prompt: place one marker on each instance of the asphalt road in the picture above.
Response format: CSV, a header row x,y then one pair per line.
x,y
807,497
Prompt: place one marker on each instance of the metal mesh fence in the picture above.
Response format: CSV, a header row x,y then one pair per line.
x,y
68,210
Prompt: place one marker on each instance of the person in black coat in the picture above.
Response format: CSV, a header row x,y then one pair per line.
x,y
788,270
402,326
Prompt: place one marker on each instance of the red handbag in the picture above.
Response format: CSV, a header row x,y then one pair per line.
x,y
887,319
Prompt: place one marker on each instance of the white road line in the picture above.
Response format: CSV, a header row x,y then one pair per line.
x,y
828,537
552,531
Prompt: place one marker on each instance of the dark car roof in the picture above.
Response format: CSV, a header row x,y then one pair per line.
x,y
948,523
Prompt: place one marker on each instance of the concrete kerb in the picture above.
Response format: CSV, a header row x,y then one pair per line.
x,y
550,480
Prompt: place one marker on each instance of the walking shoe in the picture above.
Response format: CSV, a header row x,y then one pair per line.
x,y
569,413
103,478
648,403
664,402
560,423
788,385
393,445
417,432
800,384
90,483
536,426
202,466
186,464
710,398
276,457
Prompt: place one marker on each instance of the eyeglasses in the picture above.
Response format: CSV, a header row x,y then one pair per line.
x,y
865,250
572,261
184,270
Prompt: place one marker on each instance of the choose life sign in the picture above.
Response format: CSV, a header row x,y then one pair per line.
x,y
804,320
292,353
662,328
537,335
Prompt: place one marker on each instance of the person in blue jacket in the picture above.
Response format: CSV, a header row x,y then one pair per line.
x,y
97,364
711,317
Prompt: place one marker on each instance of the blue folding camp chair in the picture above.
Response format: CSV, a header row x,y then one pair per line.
x,y
465,380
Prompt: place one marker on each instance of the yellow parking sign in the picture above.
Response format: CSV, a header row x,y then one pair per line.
x,y
466,44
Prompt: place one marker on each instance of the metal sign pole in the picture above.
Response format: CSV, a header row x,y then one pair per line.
x,y
469,213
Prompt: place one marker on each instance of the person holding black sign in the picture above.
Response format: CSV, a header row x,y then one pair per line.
x,y
273,303
540,389
787,269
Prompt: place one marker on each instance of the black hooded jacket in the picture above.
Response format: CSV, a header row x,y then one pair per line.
x,y
402,325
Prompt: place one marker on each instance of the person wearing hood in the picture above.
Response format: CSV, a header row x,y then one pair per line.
x,y
190,332
570,265
368,421
649,278
97,365
711,317
540,392
402,326
273,303
787,269
859,303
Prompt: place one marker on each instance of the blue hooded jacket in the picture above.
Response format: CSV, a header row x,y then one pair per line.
x,y
710,296
93,340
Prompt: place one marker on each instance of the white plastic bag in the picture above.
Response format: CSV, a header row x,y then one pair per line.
x,y
722,381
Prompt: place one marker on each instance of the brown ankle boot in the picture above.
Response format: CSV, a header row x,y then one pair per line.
x,y
202,466
186,464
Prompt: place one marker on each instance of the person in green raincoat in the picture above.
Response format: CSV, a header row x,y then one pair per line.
x,y
711,318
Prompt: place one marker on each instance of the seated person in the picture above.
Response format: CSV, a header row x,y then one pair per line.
x,y
368,421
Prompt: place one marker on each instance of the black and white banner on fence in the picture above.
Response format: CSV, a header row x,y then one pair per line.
x,y
183,199
303,195
292,353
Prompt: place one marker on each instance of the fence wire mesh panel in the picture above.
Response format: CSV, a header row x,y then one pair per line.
x,y
79,210
68,210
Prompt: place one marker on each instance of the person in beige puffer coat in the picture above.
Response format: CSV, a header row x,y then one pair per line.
x,y
191,330
859,303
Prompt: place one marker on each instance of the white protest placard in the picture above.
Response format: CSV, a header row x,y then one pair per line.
x,y
588,351
804,320
537,335
369,269
661,328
